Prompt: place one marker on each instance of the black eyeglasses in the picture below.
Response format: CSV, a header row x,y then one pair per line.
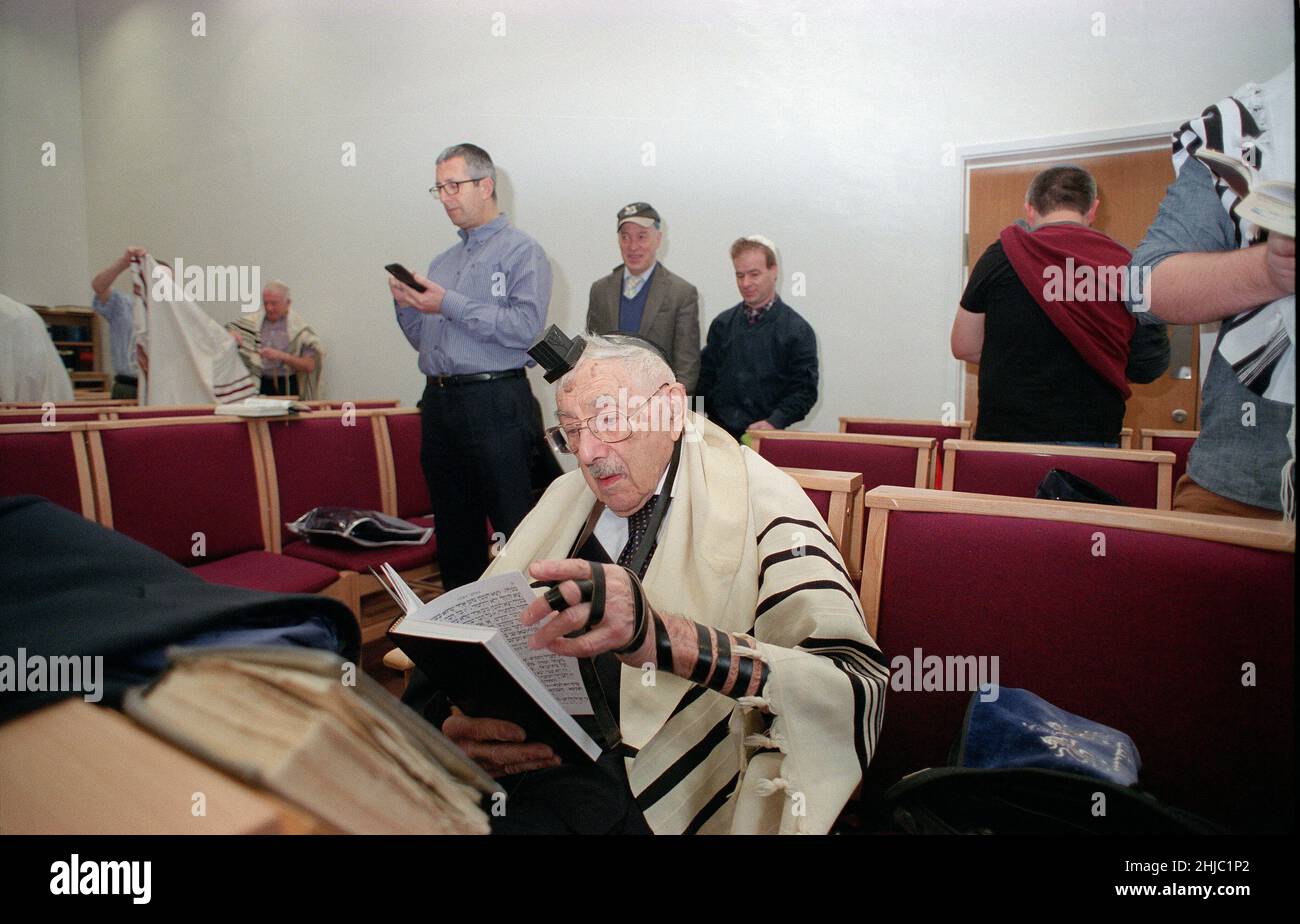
x,y
451,187
611,426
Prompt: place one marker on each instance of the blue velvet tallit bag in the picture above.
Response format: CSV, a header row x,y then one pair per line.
x,y
1021,765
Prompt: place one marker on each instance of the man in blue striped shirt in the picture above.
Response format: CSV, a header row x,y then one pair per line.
x,y
484,305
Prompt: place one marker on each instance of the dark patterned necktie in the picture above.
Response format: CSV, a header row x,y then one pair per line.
x,y
637,524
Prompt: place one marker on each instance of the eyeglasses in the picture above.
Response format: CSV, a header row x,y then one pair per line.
x,y
452,187
609,426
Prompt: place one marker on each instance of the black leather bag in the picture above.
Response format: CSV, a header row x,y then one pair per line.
x,y
1058,484
349,527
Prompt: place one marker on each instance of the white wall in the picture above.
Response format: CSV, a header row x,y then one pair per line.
x,y
823,126
42,206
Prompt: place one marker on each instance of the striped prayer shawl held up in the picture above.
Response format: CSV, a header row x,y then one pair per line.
x,y
745,551
1259,344
191,358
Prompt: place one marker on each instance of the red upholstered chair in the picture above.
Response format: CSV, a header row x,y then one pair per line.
x,y
1146,621
897,460
1179,442
366,404
335,458
61,415
162,481
888,426
838,498
410,492
49,461
75,405
1138,478
179,410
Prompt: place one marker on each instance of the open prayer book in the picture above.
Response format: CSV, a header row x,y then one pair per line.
x,y
471,644
262,407
1267,203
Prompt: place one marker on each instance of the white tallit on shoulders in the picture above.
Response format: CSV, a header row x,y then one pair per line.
x,y
30,368
743,550
301,339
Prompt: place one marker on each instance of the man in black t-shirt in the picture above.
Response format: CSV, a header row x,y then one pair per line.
x,y
1053,367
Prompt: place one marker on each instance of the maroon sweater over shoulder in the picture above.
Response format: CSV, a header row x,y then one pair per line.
x,y
1099,328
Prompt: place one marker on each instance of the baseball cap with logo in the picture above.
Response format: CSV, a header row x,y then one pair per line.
x,y
642,213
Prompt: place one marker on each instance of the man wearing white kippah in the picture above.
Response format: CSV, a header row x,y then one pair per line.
x,y
758,370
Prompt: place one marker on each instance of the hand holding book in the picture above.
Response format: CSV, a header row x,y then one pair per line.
x,y
470,642
498,746
1279,261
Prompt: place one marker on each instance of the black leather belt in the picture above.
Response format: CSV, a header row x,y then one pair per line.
x,y
126,380
446,381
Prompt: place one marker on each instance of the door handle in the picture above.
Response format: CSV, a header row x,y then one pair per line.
x,y
1179,416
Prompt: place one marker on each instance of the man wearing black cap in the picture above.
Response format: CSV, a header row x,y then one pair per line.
x,y
642,297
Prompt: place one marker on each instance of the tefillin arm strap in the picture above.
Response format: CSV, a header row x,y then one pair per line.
x,y
594,591
610,736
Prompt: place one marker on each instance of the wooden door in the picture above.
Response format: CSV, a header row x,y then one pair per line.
x,y
1130,185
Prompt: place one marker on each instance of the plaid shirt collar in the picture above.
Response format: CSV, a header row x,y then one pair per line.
x,y
754,314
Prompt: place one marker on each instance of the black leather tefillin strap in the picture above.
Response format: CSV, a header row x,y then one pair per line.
x,y
610,734
594,592
637,564
663,646
589,591
641,623
704,659
721,664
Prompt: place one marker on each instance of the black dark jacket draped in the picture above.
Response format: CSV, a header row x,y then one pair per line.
x,y
765,371
70,587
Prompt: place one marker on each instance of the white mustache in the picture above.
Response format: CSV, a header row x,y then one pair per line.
x,y
603,468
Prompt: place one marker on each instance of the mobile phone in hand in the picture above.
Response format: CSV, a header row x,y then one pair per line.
x,y
403,275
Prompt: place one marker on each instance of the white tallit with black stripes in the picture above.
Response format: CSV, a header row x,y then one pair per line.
x,y
743,550
191,358
1257,125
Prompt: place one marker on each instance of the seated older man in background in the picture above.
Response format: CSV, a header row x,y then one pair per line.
x,y
277,345
764,693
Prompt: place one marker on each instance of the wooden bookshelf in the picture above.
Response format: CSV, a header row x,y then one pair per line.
x,y
76,336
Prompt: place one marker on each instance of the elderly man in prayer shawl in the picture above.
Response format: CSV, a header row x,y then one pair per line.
x,y
278,346
725,644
